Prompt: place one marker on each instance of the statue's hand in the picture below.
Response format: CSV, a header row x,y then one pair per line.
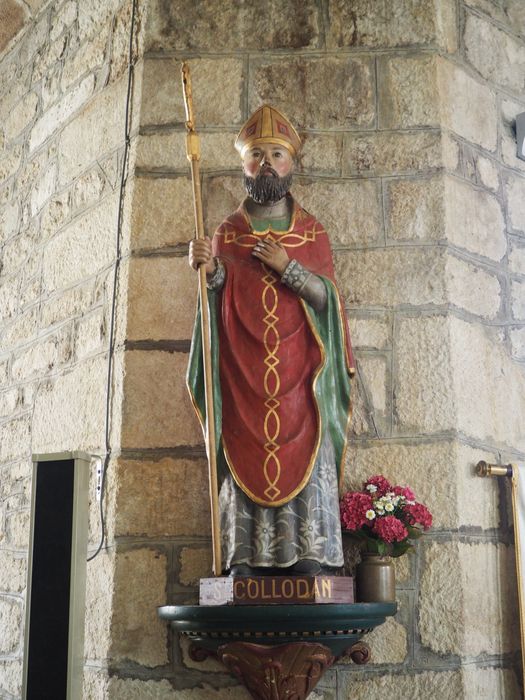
x,y
271,254
200,254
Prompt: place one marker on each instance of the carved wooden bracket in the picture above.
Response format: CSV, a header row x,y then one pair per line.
x,y
284,672
288,671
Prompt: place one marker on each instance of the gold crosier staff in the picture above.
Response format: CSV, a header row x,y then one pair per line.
x,y
193,153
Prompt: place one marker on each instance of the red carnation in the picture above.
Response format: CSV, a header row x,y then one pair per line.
x,y
418,514
390,529
380,483
404,491
353,509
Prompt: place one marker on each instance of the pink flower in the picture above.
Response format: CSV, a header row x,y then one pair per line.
x,y
404,491
390,529
418,514
353,509
381,483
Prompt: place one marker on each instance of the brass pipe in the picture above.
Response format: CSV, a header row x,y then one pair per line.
x,y
485,469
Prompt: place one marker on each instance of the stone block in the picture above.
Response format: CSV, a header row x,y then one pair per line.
x,y
48,56
388,643
194,565
509,148
21,116
11,674
15,439
83,248
140,587
13,572
379,25
408,92
375,373
89,188
11,624
157,411
496,55
9,221
350,211
362,423
449,605
445,685
159,296
17,528
43,189
517,289
423,388
166,498
488,173
62,19
370,331
517,257
10,162
439,473
162,212
482,367
517,339
91,334
69,409
472,288
515,192
335,92
468,107
89,56
487,682
217,89
321,154
24,327
16,254
222,196
208,27
162,151
394,153
474,220
37,360
128,689
93,16
99,606
55,213
15,15
57,115
390,277
218,152
69,303
96,131
415,209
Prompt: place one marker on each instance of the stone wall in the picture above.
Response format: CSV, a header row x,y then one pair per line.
x,y
63,82
406,109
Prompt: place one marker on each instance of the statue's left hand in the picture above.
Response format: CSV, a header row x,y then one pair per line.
x,y
272,254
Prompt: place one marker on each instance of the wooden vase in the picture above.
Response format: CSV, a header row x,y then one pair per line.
x,y
375,579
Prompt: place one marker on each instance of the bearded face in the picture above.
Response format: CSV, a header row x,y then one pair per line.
x,y
267,187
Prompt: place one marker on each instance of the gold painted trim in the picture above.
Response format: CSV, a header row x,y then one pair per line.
x,y
269,139
351,372
517,550
315,451
246,217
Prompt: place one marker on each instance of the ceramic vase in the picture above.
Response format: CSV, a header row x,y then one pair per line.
x,y
375,579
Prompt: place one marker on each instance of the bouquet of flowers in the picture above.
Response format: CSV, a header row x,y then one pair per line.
x,y
384,519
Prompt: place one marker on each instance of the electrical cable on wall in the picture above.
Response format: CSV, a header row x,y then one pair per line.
x,y
118,256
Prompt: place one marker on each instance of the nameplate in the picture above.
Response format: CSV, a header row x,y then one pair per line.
x,y
276,590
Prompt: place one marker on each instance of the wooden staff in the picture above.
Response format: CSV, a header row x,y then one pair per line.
x,y
193,153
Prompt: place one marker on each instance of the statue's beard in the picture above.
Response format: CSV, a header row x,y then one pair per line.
x,y
267,189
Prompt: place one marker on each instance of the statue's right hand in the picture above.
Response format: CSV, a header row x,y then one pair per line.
x,y
200,254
